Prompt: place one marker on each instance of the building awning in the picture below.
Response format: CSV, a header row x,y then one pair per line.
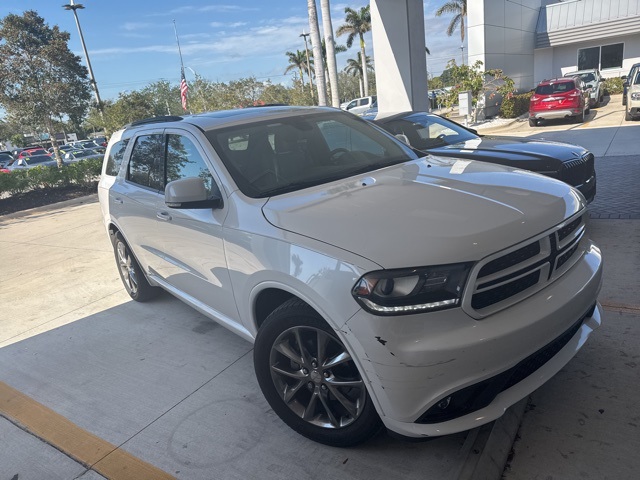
x,y
583,20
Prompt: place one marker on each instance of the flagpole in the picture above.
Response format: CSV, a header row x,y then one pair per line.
x,y
183,81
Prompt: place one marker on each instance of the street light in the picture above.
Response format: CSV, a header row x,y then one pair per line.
x,y
74,6
462,51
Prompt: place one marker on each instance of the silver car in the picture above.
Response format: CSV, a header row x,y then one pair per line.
x,y
380,288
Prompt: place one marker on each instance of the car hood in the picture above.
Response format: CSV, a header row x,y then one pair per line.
x,y
425,212
545,154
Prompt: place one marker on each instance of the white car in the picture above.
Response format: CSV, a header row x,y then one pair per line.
x,y
381,288
360,105
632,106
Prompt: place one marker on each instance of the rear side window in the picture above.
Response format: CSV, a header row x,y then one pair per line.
x,y
146,166
116,155
553,88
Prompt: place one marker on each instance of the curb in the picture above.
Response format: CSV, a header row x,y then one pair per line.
x,y
486,449
93,198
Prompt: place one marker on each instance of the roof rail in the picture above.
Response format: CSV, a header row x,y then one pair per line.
x,y
160,119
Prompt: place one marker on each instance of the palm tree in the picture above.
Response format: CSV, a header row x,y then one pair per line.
x,y
459,9
336,49
298,60
329,55
314,30
357,24
354,68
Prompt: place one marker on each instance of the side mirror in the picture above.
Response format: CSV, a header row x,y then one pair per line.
x,y
191,193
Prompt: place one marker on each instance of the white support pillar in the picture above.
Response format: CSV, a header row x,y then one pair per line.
x,y
401,67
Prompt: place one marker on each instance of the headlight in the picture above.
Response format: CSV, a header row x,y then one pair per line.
x,y
412,290
635,96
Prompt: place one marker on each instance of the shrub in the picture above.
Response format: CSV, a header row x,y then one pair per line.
x,y
83,173
14,182
613,86
515,105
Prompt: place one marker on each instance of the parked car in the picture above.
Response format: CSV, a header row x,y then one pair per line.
x,y
73,156
439,136
5,159
63,148
101,141
632,107
32,162
30,152
593,81
359,105
625,85
380,286
559,98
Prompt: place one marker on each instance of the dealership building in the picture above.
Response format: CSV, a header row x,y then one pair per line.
x,y
534,40
530,40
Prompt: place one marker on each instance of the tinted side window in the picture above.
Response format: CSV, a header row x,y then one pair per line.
x,y
184,160
146,166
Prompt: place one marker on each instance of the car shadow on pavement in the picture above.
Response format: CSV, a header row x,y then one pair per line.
x,y
178,391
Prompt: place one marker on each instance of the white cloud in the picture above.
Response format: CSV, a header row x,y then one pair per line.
x,y
133,26
228,25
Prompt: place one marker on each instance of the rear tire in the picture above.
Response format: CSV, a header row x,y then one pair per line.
x,y
533,122
310,380
134,280
580,118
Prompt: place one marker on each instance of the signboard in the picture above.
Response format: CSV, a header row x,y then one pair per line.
x,y
464,103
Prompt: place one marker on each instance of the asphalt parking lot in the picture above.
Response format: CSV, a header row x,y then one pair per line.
x,y
93,385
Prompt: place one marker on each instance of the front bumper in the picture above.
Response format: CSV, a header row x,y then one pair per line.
x,y
412,363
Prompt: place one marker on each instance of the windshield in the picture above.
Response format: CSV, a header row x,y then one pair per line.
x,y
278,156
425,131
38,159
588,77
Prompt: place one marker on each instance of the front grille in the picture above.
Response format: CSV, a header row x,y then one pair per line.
x,y
509,277
578,171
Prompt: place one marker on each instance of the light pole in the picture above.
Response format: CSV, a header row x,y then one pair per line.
x,y
462,50
306,49
73,7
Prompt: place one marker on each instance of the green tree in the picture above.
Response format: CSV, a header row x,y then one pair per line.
x,y
40,78
483,84
459,10
357,23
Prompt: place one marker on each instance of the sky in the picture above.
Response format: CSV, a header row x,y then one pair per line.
x,y
132,43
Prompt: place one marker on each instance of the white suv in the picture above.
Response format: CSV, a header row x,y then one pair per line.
x,y
380,287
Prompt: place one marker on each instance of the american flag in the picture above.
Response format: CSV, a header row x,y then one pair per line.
x,y
184,88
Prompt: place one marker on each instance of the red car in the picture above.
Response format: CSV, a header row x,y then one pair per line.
x,y
31,152
559,98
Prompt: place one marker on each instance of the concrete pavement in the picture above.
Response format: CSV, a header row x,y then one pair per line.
x,y
122,387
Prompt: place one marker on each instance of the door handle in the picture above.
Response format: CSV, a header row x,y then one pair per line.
x,y
118,200
164,216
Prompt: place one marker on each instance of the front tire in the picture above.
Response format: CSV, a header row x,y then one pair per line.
x,y
135,283
627,115
310,380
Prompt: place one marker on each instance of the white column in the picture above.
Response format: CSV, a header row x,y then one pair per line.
x,y
398,42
